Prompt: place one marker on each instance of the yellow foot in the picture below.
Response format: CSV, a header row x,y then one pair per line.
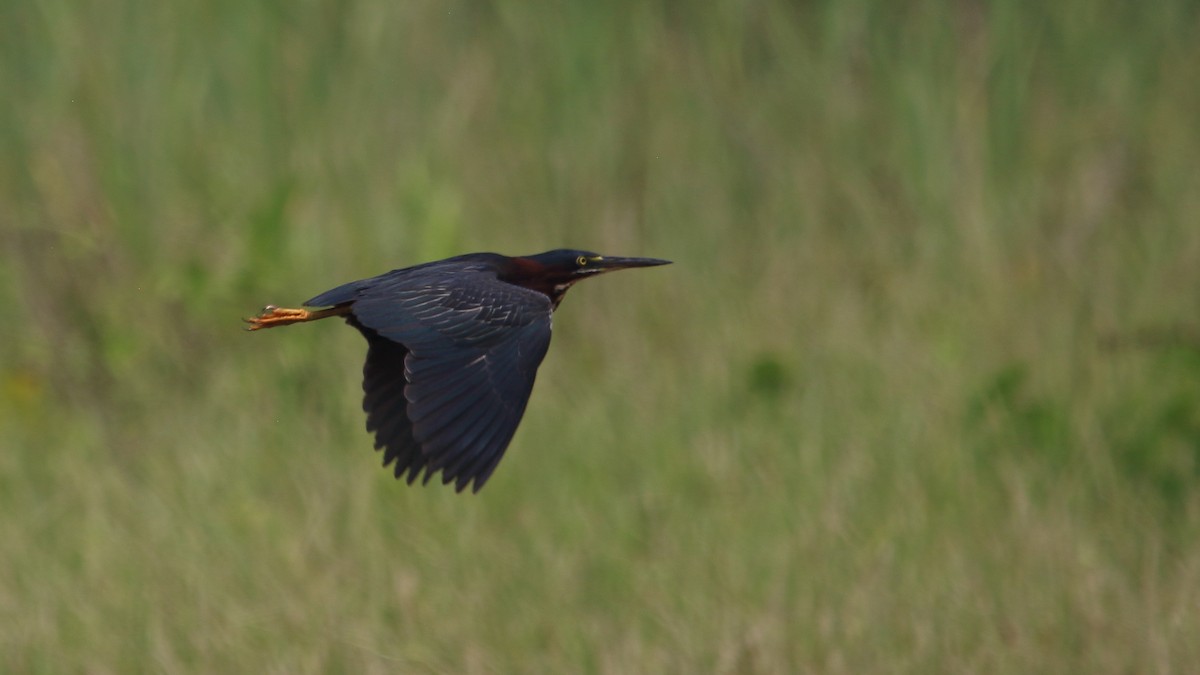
x,y
272,316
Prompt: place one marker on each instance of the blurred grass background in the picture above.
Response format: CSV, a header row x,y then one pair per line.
x,y
921,394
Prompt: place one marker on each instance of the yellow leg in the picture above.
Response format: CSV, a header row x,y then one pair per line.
x,y
272,316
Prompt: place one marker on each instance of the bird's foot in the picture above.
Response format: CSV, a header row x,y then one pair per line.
x,y
272,316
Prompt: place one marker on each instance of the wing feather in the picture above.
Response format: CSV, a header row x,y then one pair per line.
x,y
385,404
480,441
451,361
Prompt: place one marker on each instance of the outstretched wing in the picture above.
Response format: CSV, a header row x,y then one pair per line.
x,y
451,364
385,405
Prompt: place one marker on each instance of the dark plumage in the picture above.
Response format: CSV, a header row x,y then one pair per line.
x,y
453,350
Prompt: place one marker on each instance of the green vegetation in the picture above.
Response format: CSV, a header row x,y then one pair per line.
x,y
921,394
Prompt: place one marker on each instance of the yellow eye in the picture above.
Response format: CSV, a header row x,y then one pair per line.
x,y
581,261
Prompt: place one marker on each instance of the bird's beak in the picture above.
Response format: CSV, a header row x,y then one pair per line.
x,y
610,263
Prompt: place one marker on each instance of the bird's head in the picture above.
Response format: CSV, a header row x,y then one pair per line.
x,y
553,272
565,263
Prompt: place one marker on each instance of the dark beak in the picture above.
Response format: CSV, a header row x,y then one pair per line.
x,y
609,263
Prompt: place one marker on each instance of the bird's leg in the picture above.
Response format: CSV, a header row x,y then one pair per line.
x,y
272,316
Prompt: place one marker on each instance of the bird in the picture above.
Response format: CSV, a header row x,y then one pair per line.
x,y
453,347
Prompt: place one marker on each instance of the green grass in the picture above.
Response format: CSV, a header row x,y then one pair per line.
x,y
920,394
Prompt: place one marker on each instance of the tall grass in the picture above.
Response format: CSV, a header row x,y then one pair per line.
x,y
921,394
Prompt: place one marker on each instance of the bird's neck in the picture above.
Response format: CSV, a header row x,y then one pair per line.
x,y
550,289
528,274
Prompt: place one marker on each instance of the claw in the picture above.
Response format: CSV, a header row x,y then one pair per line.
x,y
272,316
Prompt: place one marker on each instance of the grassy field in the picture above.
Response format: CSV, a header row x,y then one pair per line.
x,y
920,394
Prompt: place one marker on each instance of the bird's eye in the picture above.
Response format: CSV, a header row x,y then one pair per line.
x,y
581,261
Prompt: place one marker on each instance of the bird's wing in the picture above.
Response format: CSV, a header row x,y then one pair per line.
x,y
473,345
385,405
